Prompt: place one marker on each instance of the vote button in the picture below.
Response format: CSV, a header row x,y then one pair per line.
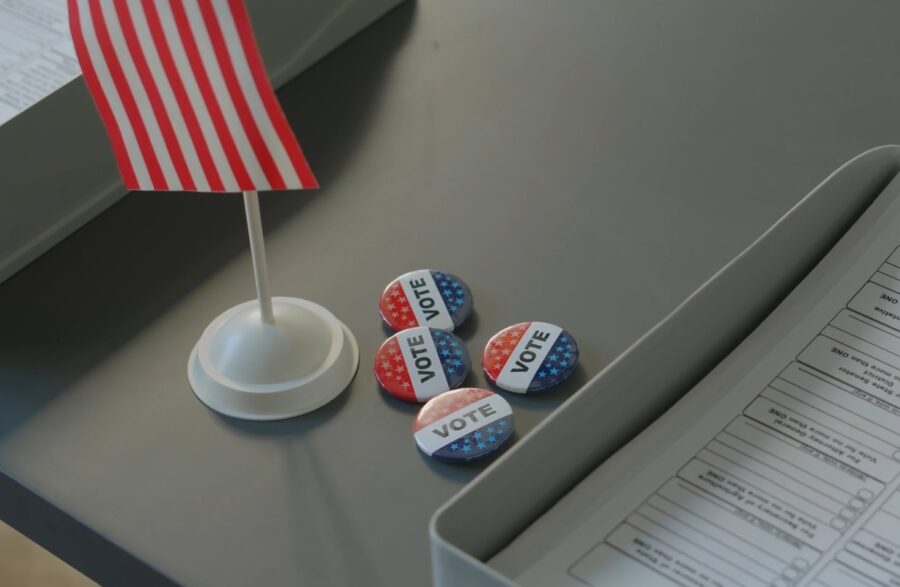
x,y
529,357
425,298
463,425
417,364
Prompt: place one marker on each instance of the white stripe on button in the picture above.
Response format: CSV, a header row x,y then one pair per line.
x,y
527,357
428,305
427,374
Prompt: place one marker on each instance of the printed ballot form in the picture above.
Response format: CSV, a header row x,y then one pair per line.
x,y
781,468
36,54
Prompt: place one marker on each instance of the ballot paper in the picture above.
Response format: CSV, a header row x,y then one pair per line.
x,y
36,54
781,468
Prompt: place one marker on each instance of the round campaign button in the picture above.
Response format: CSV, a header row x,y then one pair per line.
x,y
417,364
463,424
426,298
529,357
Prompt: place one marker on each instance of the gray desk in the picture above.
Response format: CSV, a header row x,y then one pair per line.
x,y
588,163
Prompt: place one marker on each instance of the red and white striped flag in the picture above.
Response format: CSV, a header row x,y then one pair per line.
x,y
182,91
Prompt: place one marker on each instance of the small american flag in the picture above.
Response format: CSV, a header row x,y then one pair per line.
x,y
183,93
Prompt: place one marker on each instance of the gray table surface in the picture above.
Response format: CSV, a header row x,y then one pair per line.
x,y
588,163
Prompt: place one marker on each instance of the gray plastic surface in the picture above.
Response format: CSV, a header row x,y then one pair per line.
x,y
682,348
589,166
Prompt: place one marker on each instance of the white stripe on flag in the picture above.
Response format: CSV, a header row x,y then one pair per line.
x,y
196,98
157,143
170,103
112,96
251,93
211,65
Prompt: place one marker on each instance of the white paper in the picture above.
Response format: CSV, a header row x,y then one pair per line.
x,y
783,468
36,53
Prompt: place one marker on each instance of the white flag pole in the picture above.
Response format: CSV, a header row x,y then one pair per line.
x,y
258,252
244,367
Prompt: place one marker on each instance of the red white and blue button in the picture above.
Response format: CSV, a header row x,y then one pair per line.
x,y
529,357
426,298
419,363
463,424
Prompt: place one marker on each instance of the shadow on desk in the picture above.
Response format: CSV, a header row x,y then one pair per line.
x,y
89,295
84,300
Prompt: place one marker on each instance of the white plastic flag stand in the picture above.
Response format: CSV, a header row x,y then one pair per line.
x,y
264,360
271,358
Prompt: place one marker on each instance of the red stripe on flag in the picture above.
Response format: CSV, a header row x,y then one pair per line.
x,y
209,97
184,103
131,109
276,115
96,90
159,109
260,148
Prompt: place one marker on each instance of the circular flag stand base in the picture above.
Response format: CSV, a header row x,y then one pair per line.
x,y
246,368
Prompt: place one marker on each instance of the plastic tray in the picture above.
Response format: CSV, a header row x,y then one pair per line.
x,y
504,500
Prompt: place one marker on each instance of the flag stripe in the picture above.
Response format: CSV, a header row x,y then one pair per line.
x,y
207,59
106,114
241,64
142,102
257,142
242,20
210,131
184,95
185,108
160,78
173,147
158,181
104,81
192,54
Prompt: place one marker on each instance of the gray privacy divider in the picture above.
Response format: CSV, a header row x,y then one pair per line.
x,y
58,167
624,398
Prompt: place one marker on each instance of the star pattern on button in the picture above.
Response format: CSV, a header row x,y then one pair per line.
x,y
500,347
396,309
463,424
478,443
454,358
455,294
390,370
558,365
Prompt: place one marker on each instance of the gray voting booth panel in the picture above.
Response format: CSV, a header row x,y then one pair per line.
x,y
626,397
59,170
